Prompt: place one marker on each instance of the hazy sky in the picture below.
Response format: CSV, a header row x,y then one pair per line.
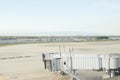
x,y
91,16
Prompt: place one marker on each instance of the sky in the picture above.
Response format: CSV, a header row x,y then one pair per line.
x,y
21,17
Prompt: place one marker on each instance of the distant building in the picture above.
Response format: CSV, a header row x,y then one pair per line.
x,y
114,37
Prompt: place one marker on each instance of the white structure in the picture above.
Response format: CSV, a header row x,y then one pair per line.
x,y
69,63
114,37
87,62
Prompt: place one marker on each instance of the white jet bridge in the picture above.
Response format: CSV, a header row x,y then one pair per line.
x,y
73,63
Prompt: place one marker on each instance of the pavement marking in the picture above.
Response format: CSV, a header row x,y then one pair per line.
x,y
15,57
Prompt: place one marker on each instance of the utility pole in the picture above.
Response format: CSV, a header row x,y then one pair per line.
x,y
60,51
71,64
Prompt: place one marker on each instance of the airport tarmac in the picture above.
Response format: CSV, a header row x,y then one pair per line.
x,y
23,61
